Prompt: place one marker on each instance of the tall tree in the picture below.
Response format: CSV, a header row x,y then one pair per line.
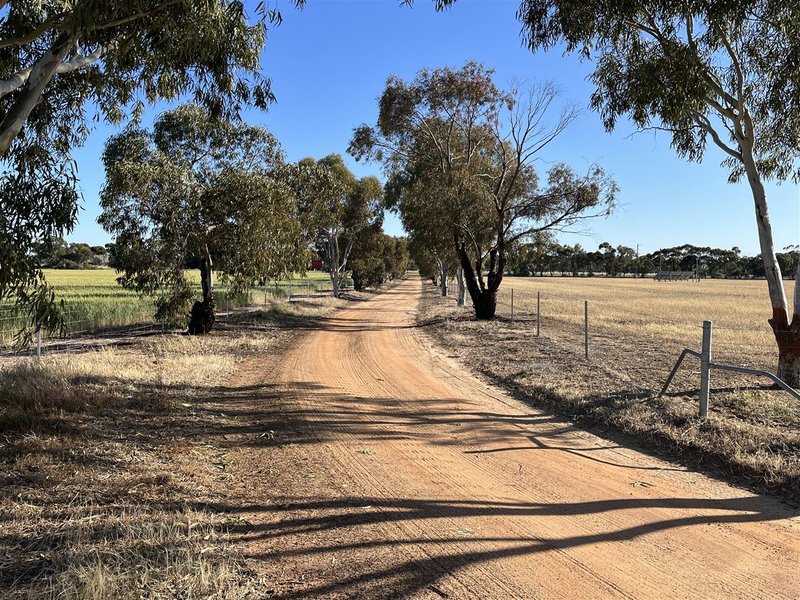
x,y
196,187
480,143
719,72
66,63
335,208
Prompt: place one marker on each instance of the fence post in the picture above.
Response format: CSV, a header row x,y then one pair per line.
x,y
586,328
289,295
538,312
38,343
265,293
705,370
512,305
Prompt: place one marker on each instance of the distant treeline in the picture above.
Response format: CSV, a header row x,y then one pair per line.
x,y
548,257
56,253
377,257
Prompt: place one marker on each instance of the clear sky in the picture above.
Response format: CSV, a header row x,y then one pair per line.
x,y
329,63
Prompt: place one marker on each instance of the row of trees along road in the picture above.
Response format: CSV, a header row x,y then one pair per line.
x,y
701,71
335,208
459,154
65,64
719,72
197,188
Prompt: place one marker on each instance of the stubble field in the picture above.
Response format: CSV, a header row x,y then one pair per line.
x,y
671,312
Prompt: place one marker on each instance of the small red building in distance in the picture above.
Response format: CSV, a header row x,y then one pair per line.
x,y
317,264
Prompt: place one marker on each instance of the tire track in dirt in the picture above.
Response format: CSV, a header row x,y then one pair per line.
x,y
446,487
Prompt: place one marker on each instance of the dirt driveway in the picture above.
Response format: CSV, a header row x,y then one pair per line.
x,y
385,470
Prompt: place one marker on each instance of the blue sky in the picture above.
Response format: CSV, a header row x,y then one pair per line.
x,y
329,62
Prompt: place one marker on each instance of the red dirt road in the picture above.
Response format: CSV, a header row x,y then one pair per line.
x,y
411,478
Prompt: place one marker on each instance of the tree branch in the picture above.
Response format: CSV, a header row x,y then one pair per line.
x,y
20,78
46,25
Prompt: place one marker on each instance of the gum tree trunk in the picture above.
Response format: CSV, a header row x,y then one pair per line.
x,y
483,292
442,277
29,96
787,332
202,317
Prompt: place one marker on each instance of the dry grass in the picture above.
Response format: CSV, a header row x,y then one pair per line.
x,y
110,457
752,433
671,312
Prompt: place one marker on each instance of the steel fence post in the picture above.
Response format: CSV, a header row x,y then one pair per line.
x,y
705,369
586,328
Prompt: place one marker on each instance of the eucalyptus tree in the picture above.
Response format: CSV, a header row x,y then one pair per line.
x,y
335,207
377,257
478,143
198,188
724,73
65,64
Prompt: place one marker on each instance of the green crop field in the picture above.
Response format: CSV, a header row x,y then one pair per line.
x,y
93,300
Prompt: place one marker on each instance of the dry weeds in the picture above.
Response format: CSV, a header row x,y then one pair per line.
x,y
111,457
752,431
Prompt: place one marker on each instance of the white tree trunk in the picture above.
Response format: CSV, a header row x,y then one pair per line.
x,y
28,97
787,333
332,254
442,268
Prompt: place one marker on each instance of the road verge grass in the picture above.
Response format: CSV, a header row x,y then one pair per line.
x,y
109,458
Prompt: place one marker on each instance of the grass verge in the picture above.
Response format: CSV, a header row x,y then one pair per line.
x,y
110,457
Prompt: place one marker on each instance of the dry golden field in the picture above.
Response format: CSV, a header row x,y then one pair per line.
x,y
669,311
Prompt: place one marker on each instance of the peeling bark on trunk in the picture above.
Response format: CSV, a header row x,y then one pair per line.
x,y
789,356
202,317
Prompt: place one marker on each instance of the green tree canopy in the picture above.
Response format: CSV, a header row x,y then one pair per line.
x,y
198,187
335,207
459,153
719,72
65,63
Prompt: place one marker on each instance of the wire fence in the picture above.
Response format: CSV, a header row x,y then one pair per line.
x,y
638,340
566,313
93,313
